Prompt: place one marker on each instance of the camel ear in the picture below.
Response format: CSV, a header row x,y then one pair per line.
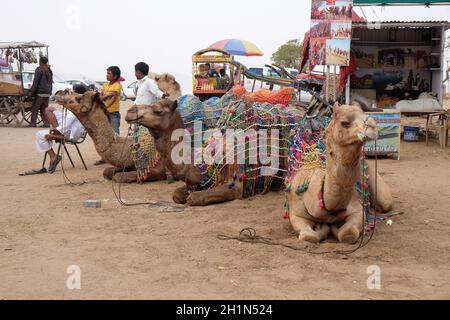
x,y
174,105
97,99
356,104
336,107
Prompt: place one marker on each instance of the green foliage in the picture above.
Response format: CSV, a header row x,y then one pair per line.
x,y
288,55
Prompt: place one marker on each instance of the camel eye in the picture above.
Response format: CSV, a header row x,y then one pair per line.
x,y
157,112
345,124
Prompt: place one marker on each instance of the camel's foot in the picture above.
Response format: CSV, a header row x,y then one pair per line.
x,y
309,235
125,177
109,173
180,195
348,234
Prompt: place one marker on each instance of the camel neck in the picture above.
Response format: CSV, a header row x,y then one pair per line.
x,y
165,146
163,138
341,174
100,130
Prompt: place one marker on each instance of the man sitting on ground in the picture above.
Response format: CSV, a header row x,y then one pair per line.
x,y
68,128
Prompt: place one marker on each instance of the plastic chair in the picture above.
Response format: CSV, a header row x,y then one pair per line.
x,y
442,126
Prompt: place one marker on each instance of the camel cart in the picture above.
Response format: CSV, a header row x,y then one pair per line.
x,y
15,104
204,85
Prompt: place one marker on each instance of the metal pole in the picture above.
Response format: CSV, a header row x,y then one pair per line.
x,y
327,86
347,91
334,83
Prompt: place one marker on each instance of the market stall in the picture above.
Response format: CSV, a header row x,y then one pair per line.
x,y
396,61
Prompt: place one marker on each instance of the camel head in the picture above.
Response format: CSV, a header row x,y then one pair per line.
x,y
167,84
81,105
350,126
156,117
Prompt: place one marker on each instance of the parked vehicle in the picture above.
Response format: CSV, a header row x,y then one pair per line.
x,y
58,84
100,83
128,92
91,85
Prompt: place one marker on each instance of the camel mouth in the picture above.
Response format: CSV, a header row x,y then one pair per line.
x,y
132,120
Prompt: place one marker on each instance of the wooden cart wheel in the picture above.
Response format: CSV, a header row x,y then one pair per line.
x,y
11,110
27,106
27,117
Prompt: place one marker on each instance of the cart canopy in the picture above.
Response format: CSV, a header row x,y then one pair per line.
x,y
29,44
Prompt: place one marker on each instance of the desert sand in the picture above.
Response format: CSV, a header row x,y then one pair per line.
x,y
142,252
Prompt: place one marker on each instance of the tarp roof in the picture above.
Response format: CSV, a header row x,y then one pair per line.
x,y
29,44
399,2
404,23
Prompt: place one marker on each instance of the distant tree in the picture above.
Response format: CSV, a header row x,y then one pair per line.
x,y
288,55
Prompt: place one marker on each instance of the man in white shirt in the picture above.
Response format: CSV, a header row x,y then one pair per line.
x,y
69,127
146,90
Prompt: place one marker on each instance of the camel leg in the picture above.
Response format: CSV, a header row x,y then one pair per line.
x,y
218,194
125,177
335,231
352,228
302,226
109,173
180,195
383,200
154,174
322,230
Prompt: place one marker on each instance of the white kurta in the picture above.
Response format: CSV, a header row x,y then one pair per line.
x,y
147,92
71,128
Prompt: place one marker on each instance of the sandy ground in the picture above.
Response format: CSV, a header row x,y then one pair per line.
x,y
145,253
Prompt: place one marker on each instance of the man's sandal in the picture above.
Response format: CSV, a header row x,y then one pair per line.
x,y
54,164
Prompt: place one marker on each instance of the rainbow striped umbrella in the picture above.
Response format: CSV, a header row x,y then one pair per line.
x,y
237,47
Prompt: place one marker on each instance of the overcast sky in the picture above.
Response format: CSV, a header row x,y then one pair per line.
x,y
87,36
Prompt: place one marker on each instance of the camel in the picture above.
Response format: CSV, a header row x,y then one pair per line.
x,y
331,201
162,119
115,150
167,84
91,112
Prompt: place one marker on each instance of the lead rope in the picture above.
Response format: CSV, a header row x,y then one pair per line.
x,y
118,194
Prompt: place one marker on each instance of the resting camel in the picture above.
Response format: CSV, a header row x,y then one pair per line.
x,y
162,119
331,200
115,150
91,112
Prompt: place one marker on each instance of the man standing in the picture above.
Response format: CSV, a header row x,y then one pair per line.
x,y
110,93
147,91
41,90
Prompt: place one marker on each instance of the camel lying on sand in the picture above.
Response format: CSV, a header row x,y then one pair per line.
x,y
331,200
116,151
162,119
